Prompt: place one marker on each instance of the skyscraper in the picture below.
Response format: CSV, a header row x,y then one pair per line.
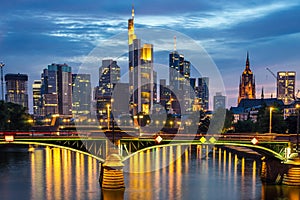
x,y
57,89
36,95
247,83
202,92
140,72
16,89
81,95
179,80
219,101
109,76
286,86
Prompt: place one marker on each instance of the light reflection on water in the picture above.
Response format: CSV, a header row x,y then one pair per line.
x,y
61,174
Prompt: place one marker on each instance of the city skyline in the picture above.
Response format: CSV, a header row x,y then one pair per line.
x,y
30,40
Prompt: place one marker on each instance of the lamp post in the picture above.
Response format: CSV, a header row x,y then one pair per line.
x,y
108,116
297,145
2,65
270,123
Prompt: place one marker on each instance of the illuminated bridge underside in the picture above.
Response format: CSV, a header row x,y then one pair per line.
x,y
260,150
62,146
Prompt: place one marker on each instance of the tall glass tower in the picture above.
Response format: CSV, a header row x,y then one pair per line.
x,y
16,89
286,86
141,75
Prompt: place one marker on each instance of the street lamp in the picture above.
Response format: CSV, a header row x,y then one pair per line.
x,y
270,124
108,116
297,145
1,66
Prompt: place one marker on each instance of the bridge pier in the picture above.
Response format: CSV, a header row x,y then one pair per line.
x,y
292,177
111,176
272,171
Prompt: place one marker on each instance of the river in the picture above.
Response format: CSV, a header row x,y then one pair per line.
x,y
61,174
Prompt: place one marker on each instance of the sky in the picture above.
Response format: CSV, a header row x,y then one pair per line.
x,y
34,34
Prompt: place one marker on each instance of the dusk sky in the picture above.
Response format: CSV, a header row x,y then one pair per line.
x,y
34,34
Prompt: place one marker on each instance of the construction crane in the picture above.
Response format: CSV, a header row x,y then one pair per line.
x,y
271,73
285,86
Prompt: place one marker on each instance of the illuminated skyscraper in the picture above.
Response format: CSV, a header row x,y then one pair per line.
x,y
247,83
219,101
57,89
179,80
140,72
202,92
81,95
109,76
286,86
16,89
36,94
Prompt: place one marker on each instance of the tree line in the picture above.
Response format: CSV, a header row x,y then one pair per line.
x,y
14,117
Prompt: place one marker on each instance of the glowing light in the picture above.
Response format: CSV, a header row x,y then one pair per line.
x,y
9,138
158,139
254,141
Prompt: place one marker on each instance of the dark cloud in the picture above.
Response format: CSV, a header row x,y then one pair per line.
x,y
35,33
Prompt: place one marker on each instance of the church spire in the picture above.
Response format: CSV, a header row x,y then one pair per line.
x,y
247,62
262,93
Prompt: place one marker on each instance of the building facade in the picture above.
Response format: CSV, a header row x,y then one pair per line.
x,y
81,95
286,86
202,92
179,81
247,83
219,101
141,74
109,76
57,90
16,89
37,96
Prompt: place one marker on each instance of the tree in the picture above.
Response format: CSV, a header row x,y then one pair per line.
x,y
263,120
245,126
228,121
13,117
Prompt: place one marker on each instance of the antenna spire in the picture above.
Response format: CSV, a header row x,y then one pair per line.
x,y
132,11
175,43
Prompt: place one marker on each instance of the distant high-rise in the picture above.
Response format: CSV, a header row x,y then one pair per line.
x,y
286,86
36,95
219,101
202,92
109,76
57,89
247,83
81,96
141,75
179,80
16,89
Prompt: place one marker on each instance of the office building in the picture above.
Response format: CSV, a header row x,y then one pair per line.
x,y
202,92
219,101
16,89
109,76
81,94
37,97
179,81
57,90
141,75
286,86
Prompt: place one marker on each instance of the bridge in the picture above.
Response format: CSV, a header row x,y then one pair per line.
x,y
273,149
